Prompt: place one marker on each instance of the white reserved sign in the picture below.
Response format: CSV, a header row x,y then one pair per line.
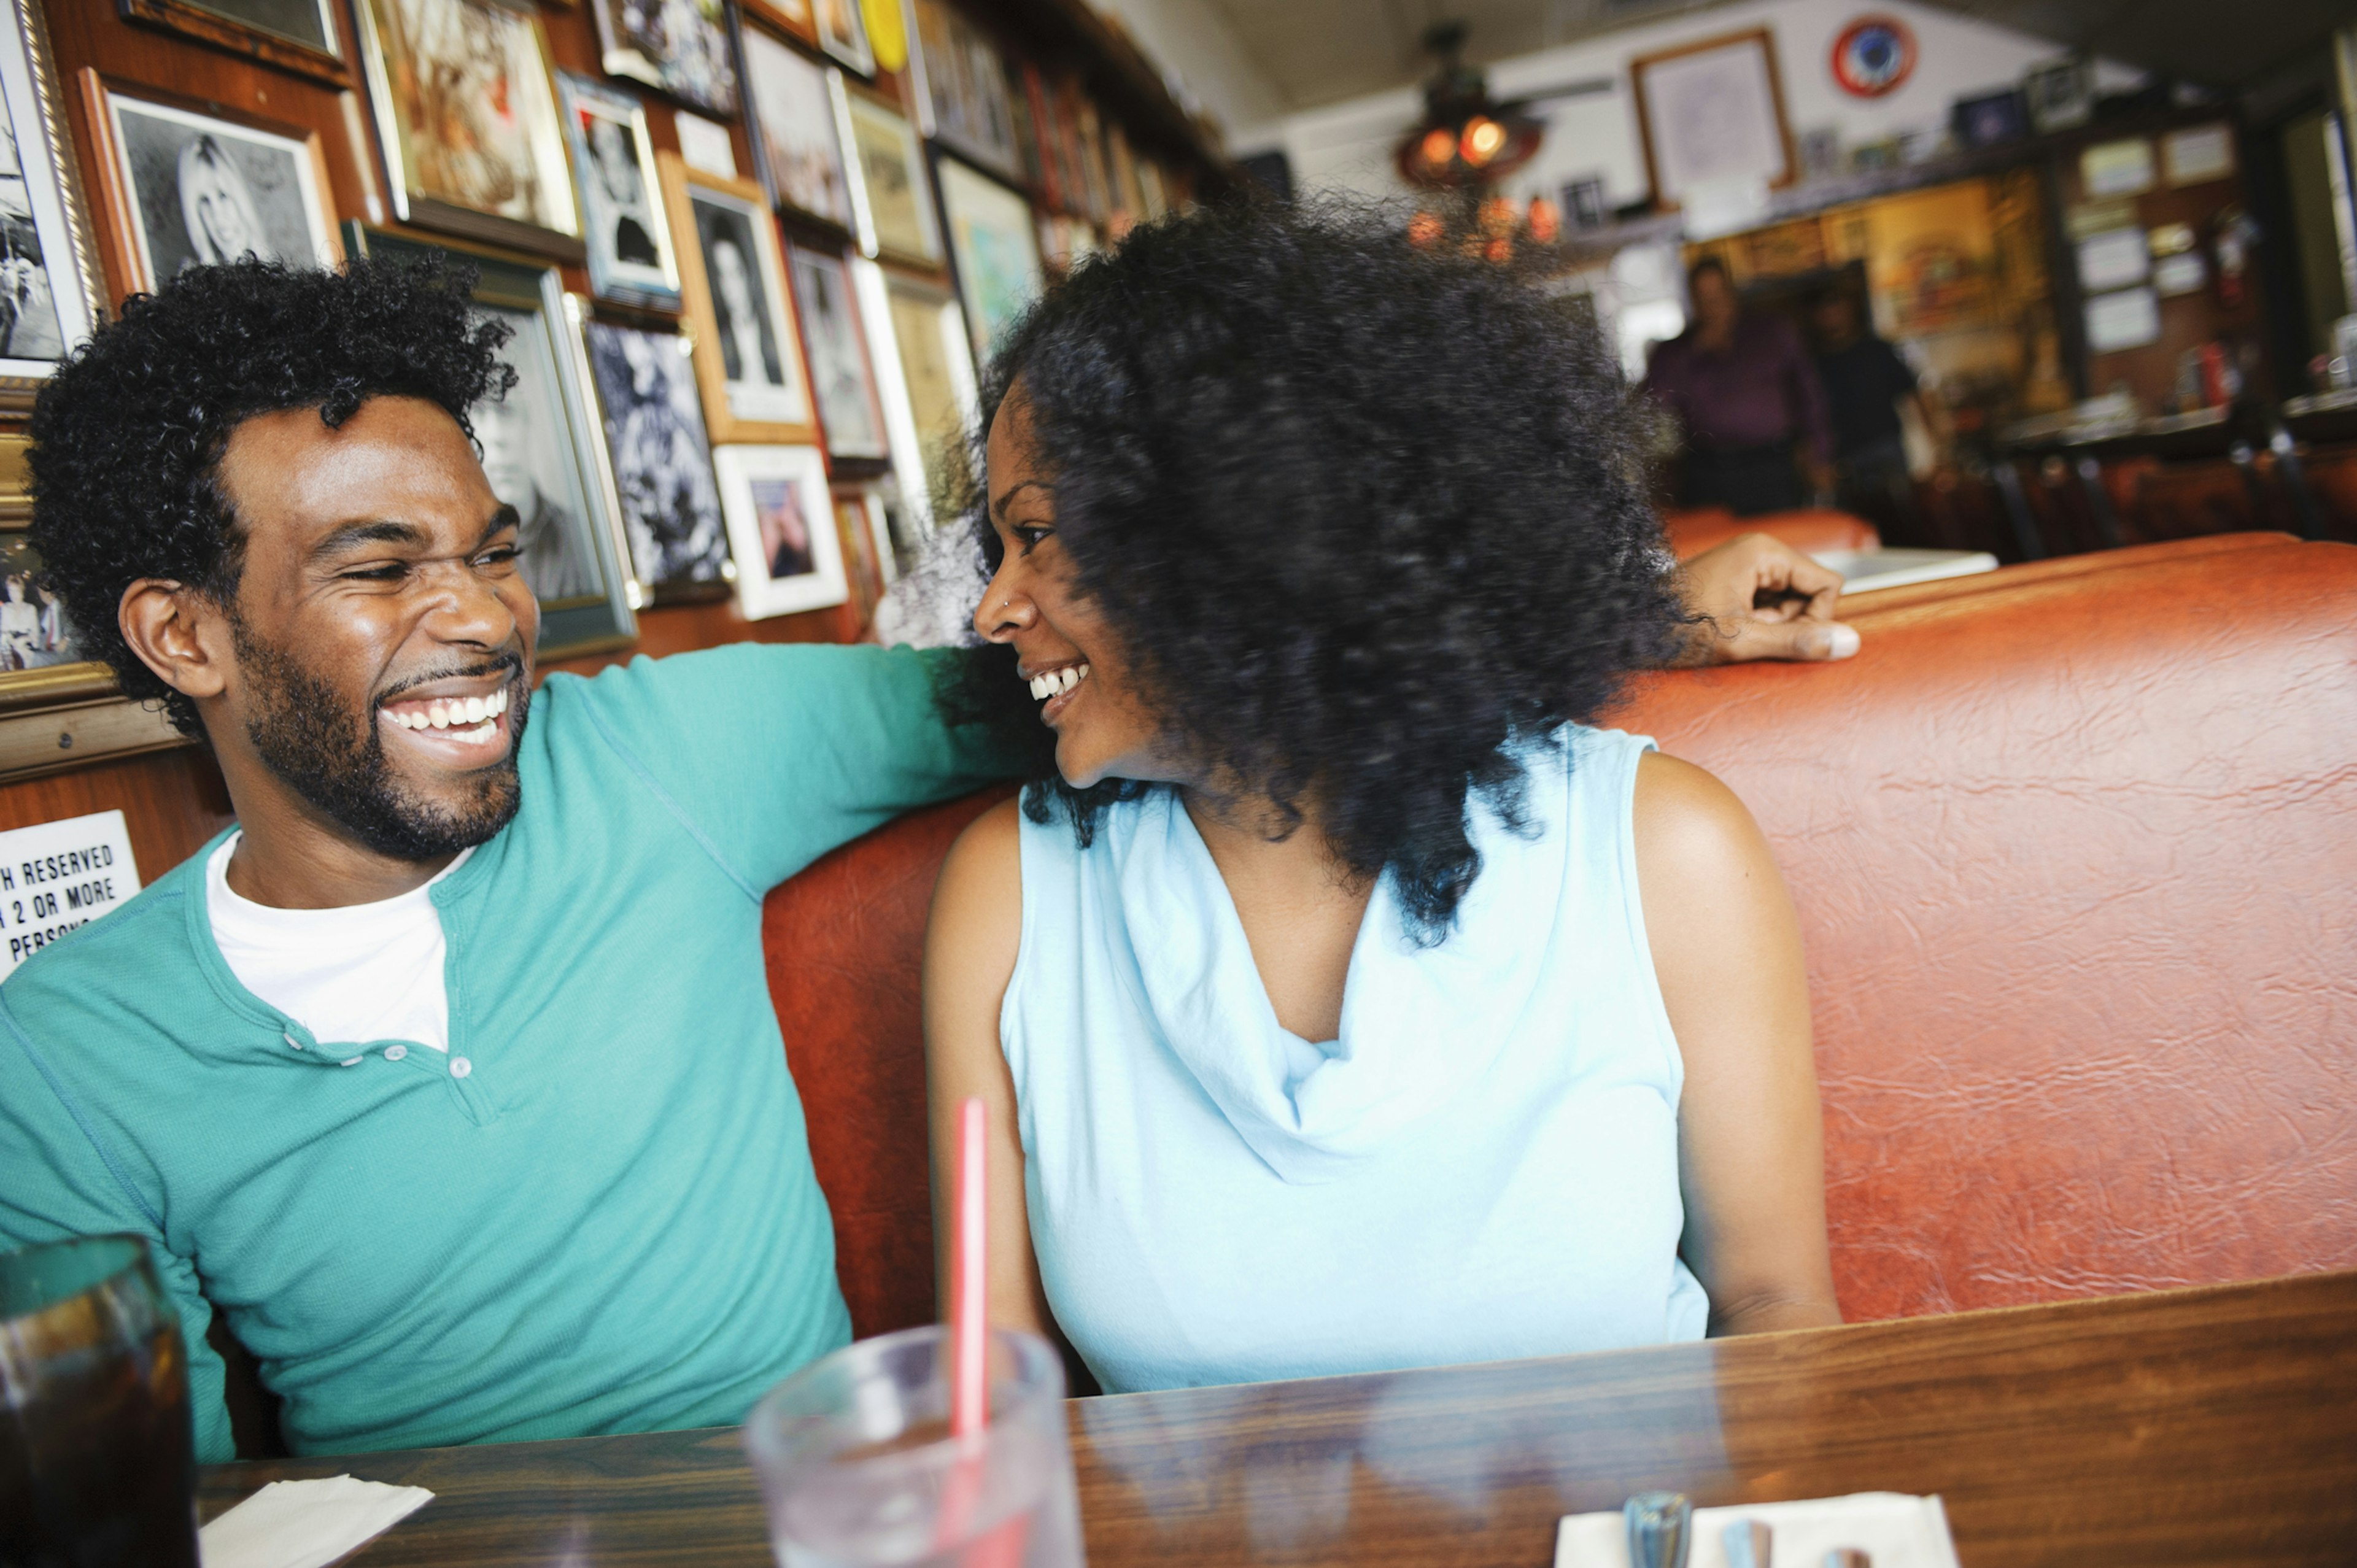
x,y
59,876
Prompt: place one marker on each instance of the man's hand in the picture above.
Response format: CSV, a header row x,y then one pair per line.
x,y
1760,599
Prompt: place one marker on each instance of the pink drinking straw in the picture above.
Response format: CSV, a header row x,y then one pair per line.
x,y
969,1284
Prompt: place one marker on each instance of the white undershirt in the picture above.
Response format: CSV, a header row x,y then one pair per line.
x,y
362,972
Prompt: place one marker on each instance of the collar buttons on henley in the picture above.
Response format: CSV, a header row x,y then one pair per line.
x,y
460,1067
394,1053
289,1038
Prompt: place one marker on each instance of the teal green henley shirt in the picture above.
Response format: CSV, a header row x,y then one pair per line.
x,y
611,1223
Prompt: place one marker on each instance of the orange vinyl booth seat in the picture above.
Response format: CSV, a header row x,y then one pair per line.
x,y
2074,848
1809,530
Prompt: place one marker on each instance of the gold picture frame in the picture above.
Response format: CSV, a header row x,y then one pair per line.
x,y
750,368
51,193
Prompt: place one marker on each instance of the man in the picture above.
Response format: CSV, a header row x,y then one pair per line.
x,y
1865,382
1747,397
449,1075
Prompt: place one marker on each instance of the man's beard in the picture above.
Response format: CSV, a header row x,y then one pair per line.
x,y
306,732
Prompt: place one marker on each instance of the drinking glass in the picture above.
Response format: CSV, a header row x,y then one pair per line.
x,y
97,1455
859,1469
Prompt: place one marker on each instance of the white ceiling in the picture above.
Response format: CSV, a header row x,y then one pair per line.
x,y
1316,52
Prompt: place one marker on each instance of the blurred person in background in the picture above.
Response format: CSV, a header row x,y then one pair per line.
x,y
1865,380
1747,401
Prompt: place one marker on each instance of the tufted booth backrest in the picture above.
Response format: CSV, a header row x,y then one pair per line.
x,y
2074,847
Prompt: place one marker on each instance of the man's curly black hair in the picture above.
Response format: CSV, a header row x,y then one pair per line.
x,y
1367,518
127,436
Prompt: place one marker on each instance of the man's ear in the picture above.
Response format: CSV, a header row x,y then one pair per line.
x,y
180,632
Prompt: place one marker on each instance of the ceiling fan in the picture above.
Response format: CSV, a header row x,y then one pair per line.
x,y
1468,139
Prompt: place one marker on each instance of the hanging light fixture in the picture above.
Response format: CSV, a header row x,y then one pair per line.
x,y
1466,139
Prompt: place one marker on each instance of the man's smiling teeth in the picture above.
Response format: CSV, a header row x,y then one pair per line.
x,y
1054,682
455,715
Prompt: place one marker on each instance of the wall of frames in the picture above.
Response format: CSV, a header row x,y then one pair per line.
x,y
753,251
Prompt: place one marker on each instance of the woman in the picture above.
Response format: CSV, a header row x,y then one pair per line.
x,y
1339,1000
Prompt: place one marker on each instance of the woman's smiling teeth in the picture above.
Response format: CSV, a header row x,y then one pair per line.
x,y
459,718
1055,682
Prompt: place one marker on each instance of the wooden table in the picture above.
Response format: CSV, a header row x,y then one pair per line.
x,y
2212,1426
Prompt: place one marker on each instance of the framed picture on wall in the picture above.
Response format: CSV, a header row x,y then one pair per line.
x,y
963,94
466,115
866,548
843,33
849,409
781,525
891,197
791,17
296,35
180,188
680,45
1711,116
937,367
732,271
46,239
543,450
661,462
622,222
796,133
995,250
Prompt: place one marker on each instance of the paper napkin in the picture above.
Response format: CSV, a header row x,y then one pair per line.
x,y
1896,1530
307,1524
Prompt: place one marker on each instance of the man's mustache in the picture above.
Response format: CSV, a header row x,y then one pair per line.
x,y
508,661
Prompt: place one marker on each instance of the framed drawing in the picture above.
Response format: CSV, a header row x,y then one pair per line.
x,y
661,461
543,449
1711,115
796,134
468,119
849,409
184,189
46,242
680,45
631,258
296,35
781,525
995,250
937,367
843,33
890,196
748,357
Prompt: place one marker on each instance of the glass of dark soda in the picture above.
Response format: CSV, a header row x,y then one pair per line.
x,y
97,1455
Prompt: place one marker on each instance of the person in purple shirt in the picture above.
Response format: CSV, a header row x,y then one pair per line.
x,y
1747,401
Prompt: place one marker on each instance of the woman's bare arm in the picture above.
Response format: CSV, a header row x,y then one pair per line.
x,y
1726,950
971,943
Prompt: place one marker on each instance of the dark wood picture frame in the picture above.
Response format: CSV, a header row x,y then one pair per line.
x,y
210,26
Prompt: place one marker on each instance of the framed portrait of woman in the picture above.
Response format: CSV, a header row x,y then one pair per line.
x,y
679,46
797,135
893,199
543,449
53,292
782,527
183,188
661,462
631,256
841,377
733,278
468,117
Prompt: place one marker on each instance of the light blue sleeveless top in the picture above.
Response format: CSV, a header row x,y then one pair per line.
x,y
1483,1165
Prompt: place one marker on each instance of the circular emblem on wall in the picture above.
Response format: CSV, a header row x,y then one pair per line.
x,y
1873,56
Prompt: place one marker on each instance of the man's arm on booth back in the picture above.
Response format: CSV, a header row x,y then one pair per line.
x,y
774,754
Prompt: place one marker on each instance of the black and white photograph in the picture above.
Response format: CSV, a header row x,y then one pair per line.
x,y
680,45
847,405
781,524
33,632
203,190
543,449
631,256
661,460
749,359
795,130
48,280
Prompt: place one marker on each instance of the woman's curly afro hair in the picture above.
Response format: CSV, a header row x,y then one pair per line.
x,y
127,436
1367,518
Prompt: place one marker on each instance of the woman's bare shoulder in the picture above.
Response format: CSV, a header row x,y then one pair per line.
x,y
977,927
